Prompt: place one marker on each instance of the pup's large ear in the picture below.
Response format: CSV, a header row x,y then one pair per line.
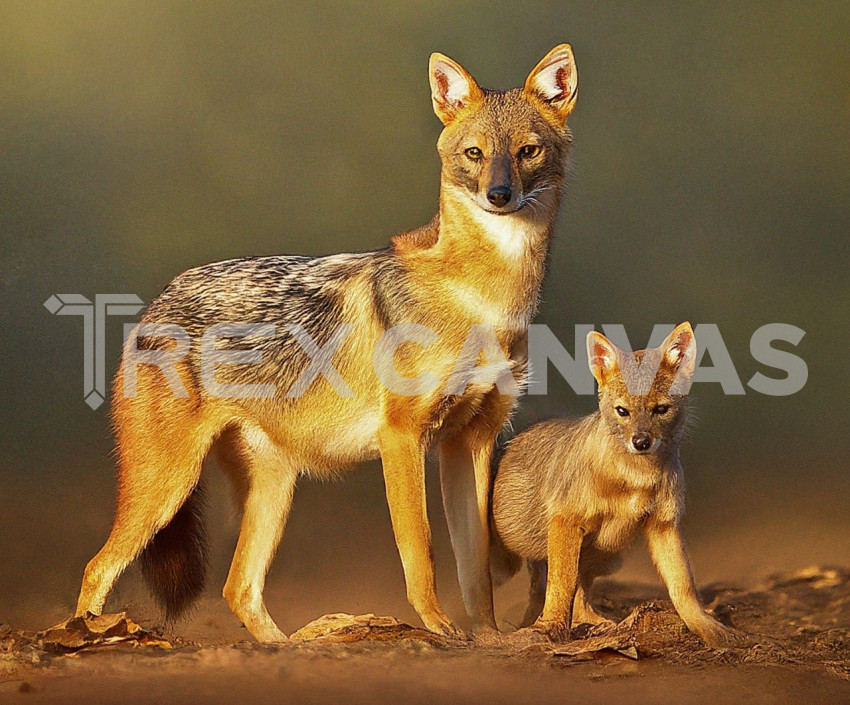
x,y
555,81
452,88
680,355
601,356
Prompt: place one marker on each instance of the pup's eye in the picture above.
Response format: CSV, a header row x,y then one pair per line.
x,y
621,410
661,409
473,153
530,151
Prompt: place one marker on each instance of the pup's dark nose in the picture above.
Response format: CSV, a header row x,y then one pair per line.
x,y
641,441
499,196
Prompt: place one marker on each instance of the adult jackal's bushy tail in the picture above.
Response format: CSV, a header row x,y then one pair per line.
x,y
174,563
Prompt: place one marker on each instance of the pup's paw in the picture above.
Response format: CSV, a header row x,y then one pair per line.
x,y
554,630
526,637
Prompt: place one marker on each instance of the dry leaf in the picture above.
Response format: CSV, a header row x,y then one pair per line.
x,y
615,643
343,627
84,632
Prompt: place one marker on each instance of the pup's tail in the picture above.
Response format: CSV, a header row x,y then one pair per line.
x,y
504,564
174,563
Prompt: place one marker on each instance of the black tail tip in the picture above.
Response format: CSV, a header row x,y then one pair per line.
x,y
174,564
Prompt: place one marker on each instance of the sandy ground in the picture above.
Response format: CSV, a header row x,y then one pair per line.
x,y
338,555
799,651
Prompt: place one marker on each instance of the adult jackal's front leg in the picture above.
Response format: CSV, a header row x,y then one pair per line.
x,y
465,476
465,482
403,459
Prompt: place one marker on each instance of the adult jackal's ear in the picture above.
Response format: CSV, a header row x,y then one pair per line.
x,y
555,81
602,357
452,88
679,352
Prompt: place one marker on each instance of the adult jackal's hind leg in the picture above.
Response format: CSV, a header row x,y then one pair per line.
x,y
159,467
264,479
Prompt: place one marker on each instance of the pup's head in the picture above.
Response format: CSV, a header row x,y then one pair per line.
x,y
505,150
643,395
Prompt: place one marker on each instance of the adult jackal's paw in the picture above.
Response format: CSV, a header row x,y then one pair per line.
x,y
268,634
719,636
486,635
439,623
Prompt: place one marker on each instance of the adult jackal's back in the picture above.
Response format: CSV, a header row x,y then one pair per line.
x,y
479,261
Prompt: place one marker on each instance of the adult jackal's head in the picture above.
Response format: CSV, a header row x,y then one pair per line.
x,y
505,150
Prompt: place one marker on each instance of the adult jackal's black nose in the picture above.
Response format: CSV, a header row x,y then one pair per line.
x,y
499,196
641,441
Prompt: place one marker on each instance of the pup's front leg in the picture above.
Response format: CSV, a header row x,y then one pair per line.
x,y
564,547
668,553
403,459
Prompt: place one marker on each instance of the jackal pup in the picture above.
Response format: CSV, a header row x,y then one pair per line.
x,y
570,494
481,260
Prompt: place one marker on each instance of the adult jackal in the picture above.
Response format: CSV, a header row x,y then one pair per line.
x,y
480,260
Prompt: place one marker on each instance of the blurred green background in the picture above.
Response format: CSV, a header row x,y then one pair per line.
x,y
710,184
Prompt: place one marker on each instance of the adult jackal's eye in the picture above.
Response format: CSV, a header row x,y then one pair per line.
x,y
473,153
530,151
621,410
661,409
